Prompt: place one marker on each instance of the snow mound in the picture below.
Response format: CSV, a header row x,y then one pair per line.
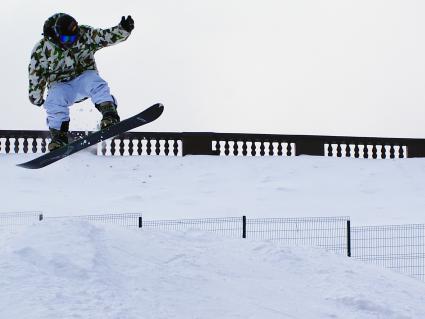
x,y
371,192
69,269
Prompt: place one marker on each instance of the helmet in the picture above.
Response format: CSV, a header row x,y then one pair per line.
x,y
62,29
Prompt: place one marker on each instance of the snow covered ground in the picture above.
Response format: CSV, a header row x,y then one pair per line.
x,y
74,269
371,192
79,270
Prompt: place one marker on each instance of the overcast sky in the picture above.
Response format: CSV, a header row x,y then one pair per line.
x,y
334,67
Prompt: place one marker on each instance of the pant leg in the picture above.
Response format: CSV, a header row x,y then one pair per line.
x,y
59,98
62,95
92,85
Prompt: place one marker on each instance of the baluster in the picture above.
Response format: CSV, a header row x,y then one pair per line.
x,y
396,151
108,147
130,147
218,147
125,143
356,151
235,148
157,147
103,148
383,152
34,145
253,149
374,152
338,150
16,145
330,150
25,145
226,148
271,150
121,145
279,149
139,146
401,151
43,145
113,147
392,152
244,149
176,148
347,150
262,148
99,147
149,147
365,151
166,147
7,145
289,149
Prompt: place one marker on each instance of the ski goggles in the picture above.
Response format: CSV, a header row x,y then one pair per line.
x,y
67,39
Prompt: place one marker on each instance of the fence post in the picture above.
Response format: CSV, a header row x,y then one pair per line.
x,y
243,226
140,222
348,238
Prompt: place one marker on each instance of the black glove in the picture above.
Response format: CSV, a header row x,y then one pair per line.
x,y
127,24
37,102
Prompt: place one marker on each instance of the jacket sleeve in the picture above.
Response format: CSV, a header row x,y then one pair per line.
x,y
102,38
37,71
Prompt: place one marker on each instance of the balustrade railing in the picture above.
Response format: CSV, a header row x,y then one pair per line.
x,y
226,144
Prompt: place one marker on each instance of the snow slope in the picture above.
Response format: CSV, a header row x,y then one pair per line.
x,y
68,269
369,191
79,270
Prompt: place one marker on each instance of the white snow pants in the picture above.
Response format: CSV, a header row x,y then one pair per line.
x,y
64,94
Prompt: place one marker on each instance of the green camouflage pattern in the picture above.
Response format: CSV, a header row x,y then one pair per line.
x,y
51,63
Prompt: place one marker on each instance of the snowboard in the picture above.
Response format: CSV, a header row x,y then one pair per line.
x,y
144,117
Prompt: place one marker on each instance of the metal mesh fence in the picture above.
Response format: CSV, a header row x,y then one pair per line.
x,y
398,247
12,220
231,226
325,232
127,220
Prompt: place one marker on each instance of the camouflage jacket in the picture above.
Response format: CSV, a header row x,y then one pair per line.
x,y
51,63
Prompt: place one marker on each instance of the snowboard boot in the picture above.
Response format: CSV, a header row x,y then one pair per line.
x,y
109,113
59,137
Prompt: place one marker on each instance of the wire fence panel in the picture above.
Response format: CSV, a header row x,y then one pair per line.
x,y
127,220
12,220
231,226
398,247
326,232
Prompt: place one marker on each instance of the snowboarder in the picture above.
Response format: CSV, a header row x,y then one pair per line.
x,y
63,61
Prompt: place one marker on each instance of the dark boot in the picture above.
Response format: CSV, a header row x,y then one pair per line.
x,y
109,113
59,137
